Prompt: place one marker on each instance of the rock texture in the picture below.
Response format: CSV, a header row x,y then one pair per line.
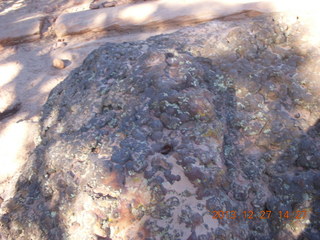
x,y
95,4
150,15
58,63
146,140
20,31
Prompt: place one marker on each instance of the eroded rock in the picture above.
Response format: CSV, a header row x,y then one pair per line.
x,y
152,142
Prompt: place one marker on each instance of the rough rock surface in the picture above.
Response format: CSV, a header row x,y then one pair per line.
x,y
146,140
95,4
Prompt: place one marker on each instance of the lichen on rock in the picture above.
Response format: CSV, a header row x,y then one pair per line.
x,y
146,140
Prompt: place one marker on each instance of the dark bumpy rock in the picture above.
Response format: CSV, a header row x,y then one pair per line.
x,y
147,140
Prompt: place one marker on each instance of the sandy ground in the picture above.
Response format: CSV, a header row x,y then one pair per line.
x,y
27,76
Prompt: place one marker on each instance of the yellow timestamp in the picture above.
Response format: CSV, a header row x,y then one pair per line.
x,y
265,214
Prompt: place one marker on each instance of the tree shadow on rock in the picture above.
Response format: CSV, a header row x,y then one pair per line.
x,y
176,127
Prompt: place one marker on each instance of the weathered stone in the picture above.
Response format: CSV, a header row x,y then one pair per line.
x,y
162,11
97,230
20,31
172,130
58,63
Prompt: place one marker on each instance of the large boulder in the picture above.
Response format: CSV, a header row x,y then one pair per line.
x,y
207,133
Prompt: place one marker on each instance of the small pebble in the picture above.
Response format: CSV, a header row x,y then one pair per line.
x,y
109,4
58,63
94,6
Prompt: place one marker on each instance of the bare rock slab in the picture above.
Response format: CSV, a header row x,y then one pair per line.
x,y
150,14
24,30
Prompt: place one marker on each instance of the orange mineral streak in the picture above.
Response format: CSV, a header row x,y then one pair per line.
x,y
113,180
137,192
126,217
134,195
